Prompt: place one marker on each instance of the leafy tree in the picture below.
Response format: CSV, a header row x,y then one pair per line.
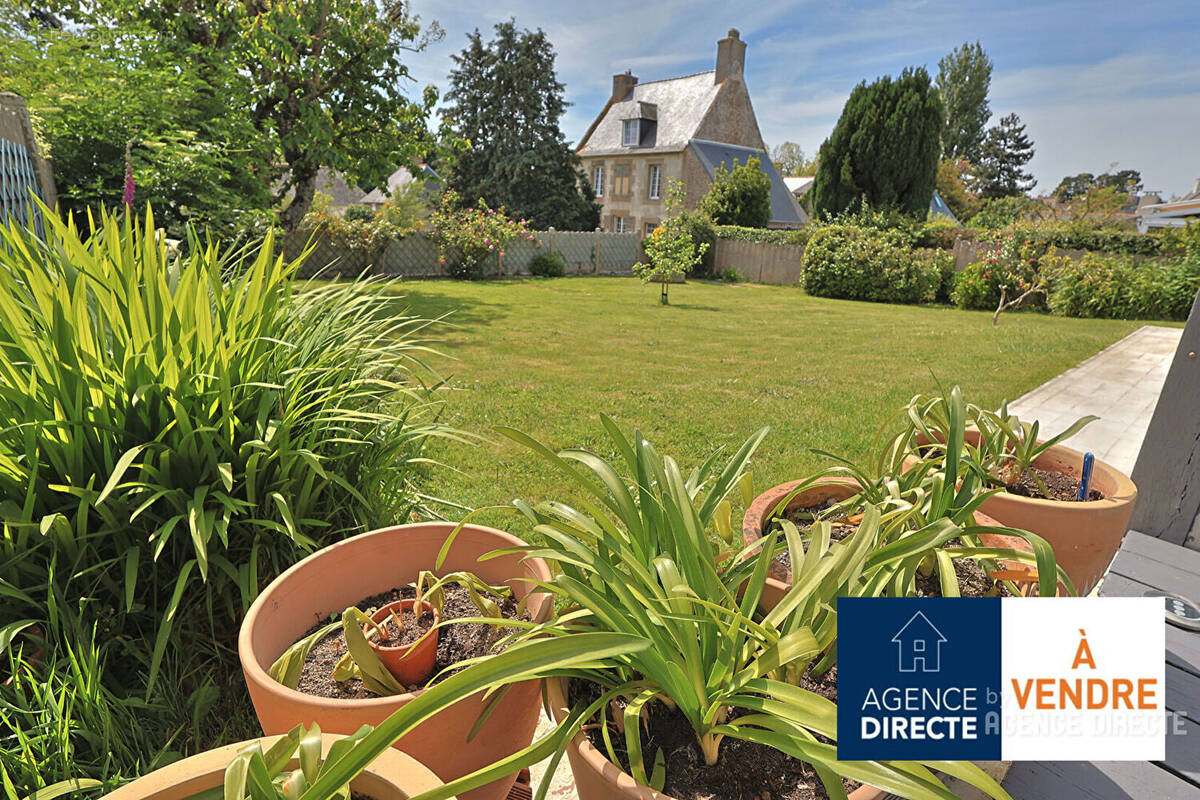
x,y
953,189
741,196
506,102
309,83
1073,187
963,79
1006,151
790,160
884,148
93,93
671,249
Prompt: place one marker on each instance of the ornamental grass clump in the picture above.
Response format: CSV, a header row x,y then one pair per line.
x,y
175,429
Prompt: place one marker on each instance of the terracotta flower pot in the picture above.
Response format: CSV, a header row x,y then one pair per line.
x,y
764,506
409,663
392,776
837,489
597,778
1085,535
331,580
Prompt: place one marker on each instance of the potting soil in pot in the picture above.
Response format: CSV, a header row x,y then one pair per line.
x,y
455,642
744,771
973,581
803,517
414,629
1062,487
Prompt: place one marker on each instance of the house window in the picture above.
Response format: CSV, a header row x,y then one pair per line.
x,y
650,226
622,177
598,180
655,180
629,133
622,224
919,646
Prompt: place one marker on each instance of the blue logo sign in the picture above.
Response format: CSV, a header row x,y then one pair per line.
x,y
918,678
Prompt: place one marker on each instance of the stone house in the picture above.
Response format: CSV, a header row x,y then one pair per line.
x,y
677,129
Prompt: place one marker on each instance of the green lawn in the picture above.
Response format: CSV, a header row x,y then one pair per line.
x,y
548,356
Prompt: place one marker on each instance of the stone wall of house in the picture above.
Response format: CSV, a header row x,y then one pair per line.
x,y
731,119
638,208
15,126
416,256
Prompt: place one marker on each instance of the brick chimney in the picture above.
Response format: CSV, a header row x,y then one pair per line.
x,y
622,85
731,56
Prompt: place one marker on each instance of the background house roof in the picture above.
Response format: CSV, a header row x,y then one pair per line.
x,y
398,182
784,210
799,184
682,105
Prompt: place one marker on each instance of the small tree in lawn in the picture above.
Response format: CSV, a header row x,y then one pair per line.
x,y
741,196
670,248
1021,272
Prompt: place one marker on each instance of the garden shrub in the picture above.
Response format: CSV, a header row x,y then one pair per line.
x,y
548,265
939,265
1009,260
853,263
940,233
731,275
1119,287
468,237
359,214
704,236
766,235
177,429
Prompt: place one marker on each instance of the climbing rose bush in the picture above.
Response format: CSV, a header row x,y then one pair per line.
x,y
466,238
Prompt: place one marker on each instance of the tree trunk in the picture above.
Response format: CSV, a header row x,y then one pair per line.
x,y
305,185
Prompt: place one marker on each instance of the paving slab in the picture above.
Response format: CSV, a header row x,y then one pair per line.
x,y
1120,384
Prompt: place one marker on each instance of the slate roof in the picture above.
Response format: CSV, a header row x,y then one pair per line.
x,y
799,184
333,184
398,182
784,210
682,105
938,207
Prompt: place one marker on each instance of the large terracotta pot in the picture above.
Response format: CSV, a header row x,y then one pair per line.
x,y
779,578
597,778
392,776
339,576
1085,535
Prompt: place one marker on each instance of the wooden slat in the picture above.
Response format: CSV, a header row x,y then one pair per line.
x,y
1183,693
1183,750
1159,550
1167,472
1168,577
1183,647
1096,780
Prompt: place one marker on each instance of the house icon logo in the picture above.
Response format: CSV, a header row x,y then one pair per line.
x,y
919,645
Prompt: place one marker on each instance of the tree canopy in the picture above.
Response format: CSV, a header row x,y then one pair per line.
x,y
963,79
739,196
226,106
884,149
1073,187
1006,151
505,102
790,160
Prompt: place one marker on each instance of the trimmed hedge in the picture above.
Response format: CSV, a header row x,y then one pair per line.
x,y
848,262
764,235
1118,287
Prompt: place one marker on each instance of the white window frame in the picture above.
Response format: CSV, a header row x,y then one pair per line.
x,y
598,180
620,224
654,179
631,126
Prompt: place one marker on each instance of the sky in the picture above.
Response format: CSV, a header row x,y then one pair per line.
x,y
1095,81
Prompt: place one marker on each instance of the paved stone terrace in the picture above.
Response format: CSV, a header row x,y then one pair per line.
x,y
1120,384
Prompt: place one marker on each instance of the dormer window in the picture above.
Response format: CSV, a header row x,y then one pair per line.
x,y
630,134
